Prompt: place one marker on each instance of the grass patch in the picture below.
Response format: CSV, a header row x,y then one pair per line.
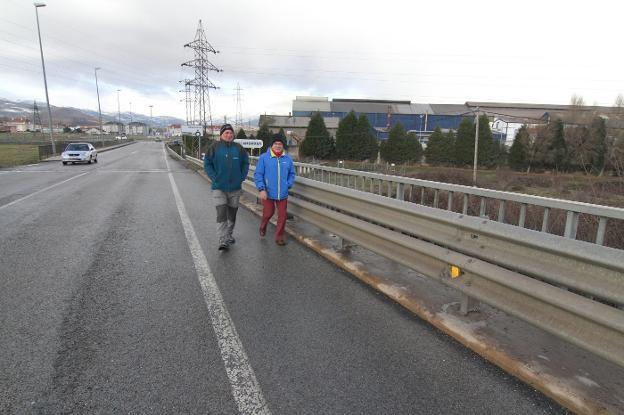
x,y
18,154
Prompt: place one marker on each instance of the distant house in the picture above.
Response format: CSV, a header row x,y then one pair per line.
x,y
92,131
174,130
113,127
138,128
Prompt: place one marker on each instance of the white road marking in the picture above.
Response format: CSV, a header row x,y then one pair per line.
x,y
42,190
245,387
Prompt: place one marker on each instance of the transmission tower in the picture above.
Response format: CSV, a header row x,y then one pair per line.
x,y
188,102
201,84
239,109
36,117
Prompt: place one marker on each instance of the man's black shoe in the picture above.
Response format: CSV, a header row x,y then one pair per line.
x,y
223,247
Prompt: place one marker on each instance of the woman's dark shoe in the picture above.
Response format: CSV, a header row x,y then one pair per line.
x,y
280,242
262,232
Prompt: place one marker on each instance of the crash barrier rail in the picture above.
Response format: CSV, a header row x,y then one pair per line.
x,y
572,289
415,190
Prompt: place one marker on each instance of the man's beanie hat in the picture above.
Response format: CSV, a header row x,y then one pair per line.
x,y
277,137
225,127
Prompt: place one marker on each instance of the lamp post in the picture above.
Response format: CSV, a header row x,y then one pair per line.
x,y
151,121
118,114
97,89
476,150
45,80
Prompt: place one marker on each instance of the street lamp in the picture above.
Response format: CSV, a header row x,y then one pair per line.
x,y
118,114
476,151
149,132
45,80
97,89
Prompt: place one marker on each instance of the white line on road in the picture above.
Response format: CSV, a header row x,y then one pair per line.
x,y
42,190
245,387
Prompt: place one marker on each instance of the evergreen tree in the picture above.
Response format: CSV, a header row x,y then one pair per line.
x,y
264,134
317,142
519,152
557,154
369,146
448,150
464,143
400,147
488,150
241,135
434,153
598,140
347,142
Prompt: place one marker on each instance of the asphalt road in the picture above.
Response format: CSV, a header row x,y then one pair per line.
x,y
114,299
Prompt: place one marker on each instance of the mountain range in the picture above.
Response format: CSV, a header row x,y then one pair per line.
x,y
76,116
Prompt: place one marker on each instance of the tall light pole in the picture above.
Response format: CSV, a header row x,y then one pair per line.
x,y
476,151
45,80
97,89
118,114
151,120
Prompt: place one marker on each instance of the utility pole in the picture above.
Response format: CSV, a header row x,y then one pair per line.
x,y
151,118
45,80
97,89
239,110
202,84
118,114
476,152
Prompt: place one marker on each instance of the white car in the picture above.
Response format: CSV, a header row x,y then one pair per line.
x,y
79,153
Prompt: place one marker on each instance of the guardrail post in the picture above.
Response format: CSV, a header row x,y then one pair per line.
x,y
449,205
545,220
467,305
602,227
501,211
436,198
571,225
400,191
389,188
482,208
465,206
422,195
523,209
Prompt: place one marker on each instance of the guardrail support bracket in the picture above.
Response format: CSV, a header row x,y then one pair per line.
x,y
467,305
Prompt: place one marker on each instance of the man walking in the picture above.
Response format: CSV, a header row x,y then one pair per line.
x,y
274,175
227,164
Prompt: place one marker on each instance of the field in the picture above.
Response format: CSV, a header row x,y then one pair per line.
x,y
18,154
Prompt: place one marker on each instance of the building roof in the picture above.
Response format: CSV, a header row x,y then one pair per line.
x,y
285,121
311,104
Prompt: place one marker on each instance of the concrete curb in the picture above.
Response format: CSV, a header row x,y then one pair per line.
x,y
566,391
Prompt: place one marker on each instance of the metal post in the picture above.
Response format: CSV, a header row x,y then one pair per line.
x,y
118,114
476,151
45,79
99,108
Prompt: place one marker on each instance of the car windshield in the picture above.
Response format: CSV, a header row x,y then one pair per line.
x,y
77,147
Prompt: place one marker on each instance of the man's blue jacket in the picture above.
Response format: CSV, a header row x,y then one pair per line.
x,y
275,175
227,164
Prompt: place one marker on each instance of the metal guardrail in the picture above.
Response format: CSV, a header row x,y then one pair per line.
x,y
572,289
413,190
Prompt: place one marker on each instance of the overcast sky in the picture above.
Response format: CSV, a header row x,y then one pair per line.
x,y
431,52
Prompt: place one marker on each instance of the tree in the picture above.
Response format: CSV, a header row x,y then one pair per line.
x,y
241,135
317,142
598,145
557,153
519,152
488,151
369,146
464,143
264,134
400,147
347,142
434,153
66,130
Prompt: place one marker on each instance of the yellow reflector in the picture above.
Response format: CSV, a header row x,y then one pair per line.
x,y
455,271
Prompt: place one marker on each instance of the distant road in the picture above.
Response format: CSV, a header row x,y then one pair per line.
x,y
114,299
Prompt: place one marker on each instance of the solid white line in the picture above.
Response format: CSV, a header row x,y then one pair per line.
x,y
245,387
42,190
